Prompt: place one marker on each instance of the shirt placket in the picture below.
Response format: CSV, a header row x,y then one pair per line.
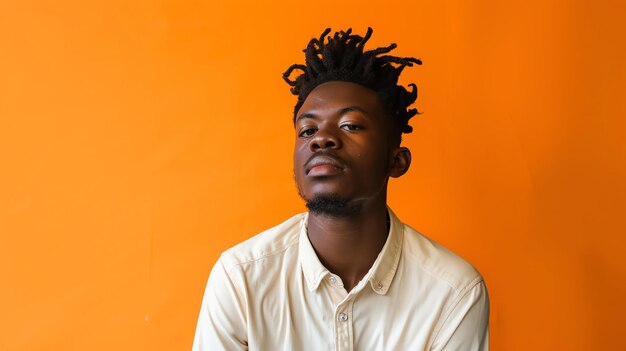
x,y
343,326
342,321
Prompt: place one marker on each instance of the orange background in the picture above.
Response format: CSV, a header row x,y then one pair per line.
x,y
139,139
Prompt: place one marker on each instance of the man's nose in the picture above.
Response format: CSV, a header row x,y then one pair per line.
x,y
323,139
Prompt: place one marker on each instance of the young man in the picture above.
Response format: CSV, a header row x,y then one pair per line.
x,y
348,274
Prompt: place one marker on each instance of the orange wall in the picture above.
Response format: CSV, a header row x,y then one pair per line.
x,y
139,139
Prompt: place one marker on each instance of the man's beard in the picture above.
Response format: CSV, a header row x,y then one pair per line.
x,y
332,205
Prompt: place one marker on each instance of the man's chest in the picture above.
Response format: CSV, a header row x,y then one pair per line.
x,y
286,315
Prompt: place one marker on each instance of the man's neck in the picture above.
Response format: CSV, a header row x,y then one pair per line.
x,y
348,246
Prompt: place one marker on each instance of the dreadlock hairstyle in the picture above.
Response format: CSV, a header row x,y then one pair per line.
x,y
341,58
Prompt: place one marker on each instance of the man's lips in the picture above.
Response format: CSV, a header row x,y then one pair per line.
x,y
323,165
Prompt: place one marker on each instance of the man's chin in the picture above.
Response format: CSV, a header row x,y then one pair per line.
x,y
332,205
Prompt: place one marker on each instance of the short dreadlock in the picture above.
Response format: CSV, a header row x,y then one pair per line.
x,y
342,58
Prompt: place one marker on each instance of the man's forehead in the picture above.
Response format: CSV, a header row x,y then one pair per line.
x,y
338,95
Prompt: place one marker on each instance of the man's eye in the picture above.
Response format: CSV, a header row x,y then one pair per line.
x,y
351,127
307,132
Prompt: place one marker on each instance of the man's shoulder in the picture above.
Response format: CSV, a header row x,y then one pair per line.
x,y
270,242
439,261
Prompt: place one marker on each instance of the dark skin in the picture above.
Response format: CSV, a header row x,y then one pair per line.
x,y
346,146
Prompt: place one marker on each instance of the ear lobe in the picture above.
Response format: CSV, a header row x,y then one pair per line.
x,y
401,162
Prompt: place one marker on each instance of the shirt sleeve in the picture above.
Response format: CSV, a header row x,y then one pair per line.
x,y
466,327
222,321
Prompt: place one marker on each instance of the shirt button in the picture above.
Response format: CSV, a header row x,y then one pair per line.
x,y
343,317
379,286
332,280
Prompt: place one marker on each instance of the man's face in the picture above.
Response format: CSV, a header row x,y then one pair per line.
x,y
343,146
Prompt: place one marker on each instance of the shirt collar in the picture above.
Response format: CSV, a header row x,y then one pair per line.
x,y
381,273
313,269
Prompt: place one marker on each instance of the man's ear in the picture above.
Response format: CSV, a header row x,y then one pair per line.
x,y
400,162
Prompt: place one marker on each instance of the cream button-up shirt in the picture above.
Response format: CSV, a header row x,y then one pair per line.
x,y
272,293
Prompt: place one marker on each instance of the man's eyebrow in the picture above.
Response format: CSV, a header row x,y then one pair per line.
x,y
305,115
342,111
